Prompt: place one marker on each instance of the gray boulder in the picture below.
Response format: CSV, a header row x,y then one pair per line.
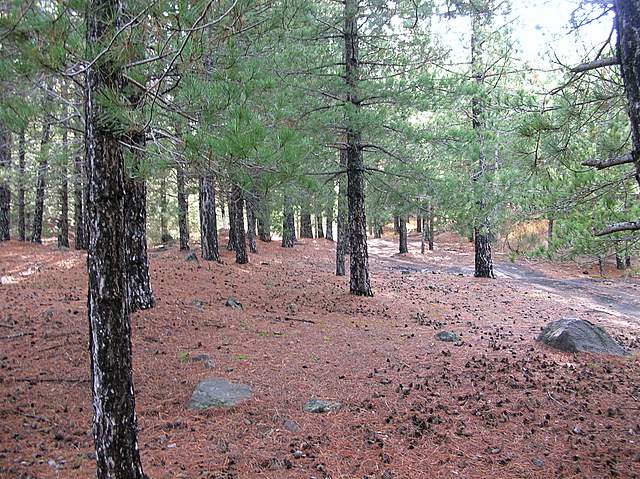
x,y
321,405
218,392
574,335
233,303
448,337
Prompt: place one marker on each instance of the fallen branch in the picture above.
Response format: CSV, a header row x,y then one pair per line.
x,y
616,227
18,335
50,380
599,63
288,318
609,162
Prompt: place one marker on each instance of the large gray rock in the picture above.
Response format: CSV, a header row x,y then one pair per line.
x,y
448,337
218,392
574,335
321,405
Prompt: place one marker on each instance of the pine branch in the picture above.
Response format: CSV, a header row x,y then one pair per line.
x,y
599,63
616,227
609,162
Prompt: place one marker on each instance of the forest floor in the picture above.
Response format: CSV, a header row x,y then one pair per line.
x,y
495,404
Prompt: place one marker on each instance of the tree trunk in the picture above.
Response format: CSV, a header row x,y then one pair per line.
x,y
419,219
430,227
329,231
619,262
22,230
183,206
115,428
628,51
41,183
550,226
601,265
396,225
236,222
231,246
5,191
377,231
264,219
288,224
165,237
627,262
359,261
403,235
342,245
78,203
208,226
319,226
251,222
482,233
139,292
306,229
63,219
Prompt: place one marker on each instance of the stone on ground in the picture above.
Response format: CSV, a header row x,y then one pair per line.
x,y
448,337
575,335
233,303
218,392
321,405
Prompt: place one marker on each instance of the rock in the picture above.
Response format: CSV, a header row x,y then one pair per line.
x,y
536,461
321,405
233,303
448,337
387,474
191,257
574,335
205,358
218,392
291,426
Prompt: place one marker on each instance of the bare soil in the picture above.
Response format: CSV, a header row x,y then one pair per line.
x,y
496,404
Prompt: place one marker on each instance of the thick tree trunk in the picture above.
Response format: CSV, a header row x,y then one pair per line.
x,y
41,183
264,219
5,191
396,225
342,243
183,206
329,232
419,219
115,427
377,231
619,262
236,223
165,237
139,292
22,229
628,49
208,226
359,260
231,207
319,228
288,224
78,204
251,222
63,219
482,233
403,235
306,228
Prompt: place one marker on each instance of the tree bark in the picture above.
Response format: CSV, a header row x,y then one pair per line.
x,y
419,219
359,260
41,181
329,231
183,206
208,226
78,203
22,230
342,244
115,428
251,222
319,228
306,229
403,235
288,224
165,237
63,219
236,222
430,227
231,246
264,219
396,225
5,191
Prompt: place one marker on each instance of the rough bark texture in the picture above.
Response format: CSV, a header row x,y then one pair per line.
x,y
208,226
251,222
482,237
396,225
342,243
5,192
63,218
319,228
430,227
165,237
628,49
419,220
263,218
402,222
231,246
359,260
78,204
236,222
22,230
288,224
306,228
183,206
115,427
41,183
139,292
329,231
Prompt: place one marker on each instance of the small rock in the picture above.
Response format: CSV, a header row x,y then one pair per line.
x,y
218,392
321,406
298,454
387,474
537,462
233,303
291,426
191,257
448,337
204,358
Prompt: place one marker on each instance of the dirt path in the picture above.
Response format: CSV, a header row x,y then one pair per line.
x,y
620,297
